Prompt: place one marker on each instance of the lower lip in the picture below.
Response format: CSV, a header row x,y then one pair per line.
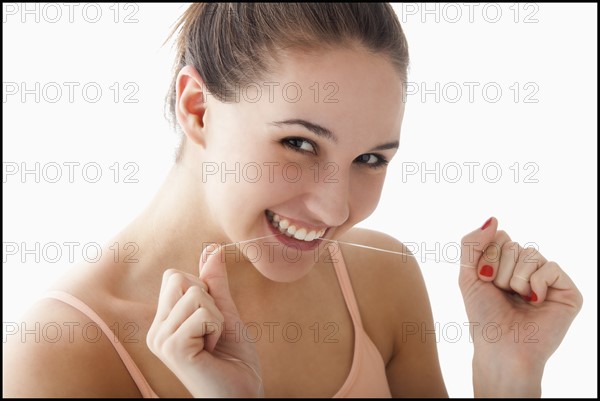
x,y
291,241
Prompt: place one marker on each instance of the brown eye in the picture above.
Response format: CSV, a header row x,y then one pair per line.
x,y
372,160
299,145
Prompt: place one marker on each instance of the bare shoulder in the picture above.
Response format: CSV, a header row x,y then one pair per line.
x,y
57,351
393,301
396,271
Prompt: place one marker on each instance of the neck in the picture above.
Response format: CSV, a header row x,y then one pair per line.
x,y
174,229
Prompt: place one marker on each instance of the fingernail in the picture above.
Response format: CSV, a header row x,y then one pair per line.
x,y
526,298
486,270
533,296
486,224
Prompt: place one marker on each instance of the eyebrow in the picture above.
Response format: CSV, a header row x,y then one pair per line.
x,y
323,132
314,128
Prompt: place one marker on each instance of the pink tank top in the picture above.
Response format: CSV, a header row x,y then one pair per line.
x,y
367,377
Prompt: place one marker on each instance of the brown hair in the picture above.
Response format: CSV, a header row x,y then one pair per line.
x,y
233,44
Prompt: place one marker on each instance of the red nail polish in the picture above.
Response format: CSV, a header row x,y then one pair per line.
x,y
533,296
486,270
526,298
486,224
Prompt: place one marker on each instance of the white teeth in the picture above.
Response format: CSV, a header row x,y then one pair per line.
x,y
310,236
291,230
300,234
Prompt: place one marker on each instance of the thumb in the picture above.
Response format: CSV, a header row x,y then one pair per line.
x,y
213,271
472,247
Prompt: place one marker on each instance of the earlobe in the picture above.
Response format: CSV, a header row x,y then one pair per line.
x,y
190,108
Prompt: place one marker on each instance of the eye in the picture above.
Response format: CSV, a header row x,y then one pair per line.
x,y
372,160
299,145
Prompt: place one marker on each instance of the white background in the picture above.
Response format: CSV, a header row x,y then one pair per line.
x,y
555,52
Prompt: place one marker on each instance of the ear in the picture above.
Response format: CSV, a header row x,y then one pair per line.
x,y
190,108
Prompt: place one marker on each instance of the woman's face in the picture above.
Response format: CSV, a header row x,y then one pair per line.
x,y
307,145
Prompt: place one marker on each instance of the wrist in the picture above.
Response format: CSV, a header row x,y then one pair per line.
x,y
513,378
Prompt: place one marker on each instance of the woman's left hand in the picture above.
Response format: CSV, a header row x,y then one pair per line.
x,y
519,304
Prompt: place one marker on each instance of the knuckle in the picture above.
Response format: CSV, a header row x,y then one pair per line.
x,y
492,252
203,314
579,296
510,250
501,234
553,266
168,273
510,246
194,291
150,341
154,342
171,346
502,237
177,278
529,255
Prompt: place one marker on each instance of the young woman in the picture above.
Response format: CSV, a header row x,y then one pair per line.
x,y
289,115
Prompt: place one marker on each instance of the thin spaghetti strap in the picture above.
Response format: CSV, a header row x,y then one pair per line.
x,y
132,368
342,272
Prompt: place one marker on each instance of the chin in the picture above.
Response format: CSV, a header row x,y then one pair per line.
x,y
278,269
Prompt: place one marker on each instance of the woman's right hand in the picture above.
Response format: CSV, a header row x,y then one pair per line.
x,y
192,314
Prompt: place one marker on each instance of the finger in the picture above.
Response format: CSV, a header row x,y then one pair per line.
x,y
214,273
166,274
490,261
472,247
185,307
213,270
550,275
191,278
190,337
176,284
208,302
205,326
508,260
195,297
207,253
529,261
172,290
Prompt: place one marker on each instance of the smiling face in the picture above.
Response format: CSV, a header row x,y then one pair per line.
x,y
307,145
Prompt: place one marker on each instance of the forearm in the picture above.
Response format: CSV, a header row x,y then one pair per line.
x,y
506,380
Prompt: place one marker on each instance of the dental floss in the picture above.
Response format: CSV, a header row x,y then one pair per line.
x,y
253,239
340,242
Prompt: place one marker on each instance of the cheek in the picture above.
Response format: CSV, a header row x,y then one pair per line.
x,y
364,196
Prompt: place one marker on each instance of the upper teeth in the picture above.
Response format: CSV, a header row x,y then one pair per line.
x,y
291,230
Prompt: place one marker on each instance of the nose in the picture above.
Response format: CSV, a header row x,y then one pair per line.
x,y
328,199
